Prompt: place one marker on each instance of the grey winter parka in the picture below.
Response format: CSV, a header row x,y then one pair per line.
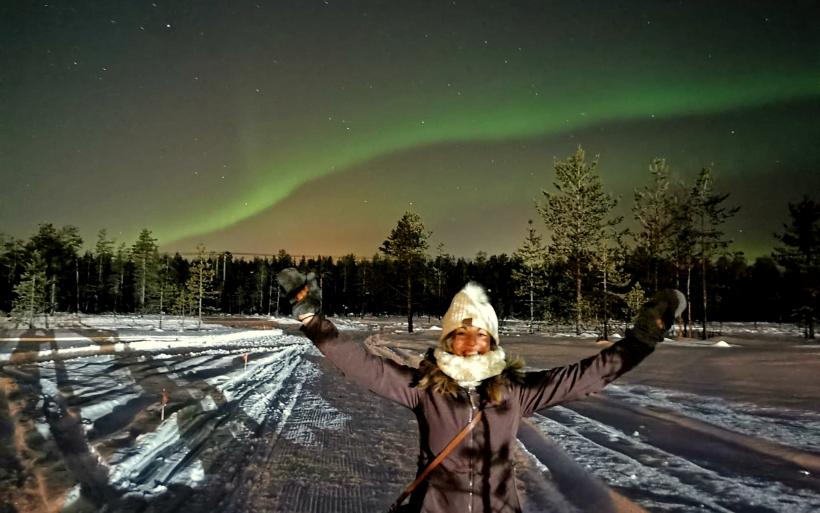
x,y
478,476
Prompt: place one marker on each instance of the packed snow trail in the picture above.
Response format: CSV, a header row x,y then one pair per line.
x,y
321,460
671,479
795,428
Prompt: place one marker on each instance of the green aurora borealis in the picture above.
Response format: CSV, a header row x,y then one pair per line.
x,y
312,126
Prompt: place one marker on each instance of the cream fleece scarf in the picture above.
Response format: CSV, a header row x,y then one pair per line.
x,y
469,371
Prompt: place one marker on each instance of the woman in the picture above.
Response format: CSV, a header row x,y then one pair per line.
x,y
468,372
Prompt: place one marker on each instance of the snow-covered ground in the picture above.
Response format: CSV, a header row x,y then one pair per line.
x,y
113,411
112,322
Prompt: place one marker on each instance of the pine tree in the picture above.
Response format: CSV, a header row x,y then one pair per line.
x,y
70,237
407,244
800,255
577,215
145,256
635,298
103,255
167,285
709,214
530,278
117,279
653,209
30,292
180,301
609,261
200,282
683,242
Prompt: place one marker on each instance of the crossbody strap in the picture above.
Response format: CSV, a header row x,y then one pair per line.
x,y
433,464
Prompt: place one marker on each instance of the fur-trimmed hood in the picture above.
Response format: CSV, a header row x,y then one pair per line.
x,y
491,389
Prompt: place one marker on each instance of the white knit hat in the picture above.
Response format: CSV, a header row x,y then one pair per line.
x,y
470,307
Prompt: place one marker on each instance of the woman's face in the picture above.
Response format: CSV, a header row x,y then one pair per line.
x,y
469,341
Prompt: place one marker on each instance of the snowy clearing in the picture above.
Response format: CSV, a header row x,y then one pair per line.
x,y
136,419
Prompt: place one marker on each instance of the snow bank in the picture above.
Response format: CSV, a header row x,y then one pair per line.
x,y
697,343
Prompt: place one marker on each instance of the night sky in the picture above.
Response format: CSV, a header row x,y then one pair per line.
x,y
311,126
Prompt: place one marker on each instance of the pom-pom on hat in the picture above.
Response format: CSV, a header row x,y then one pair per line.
x,y
470,307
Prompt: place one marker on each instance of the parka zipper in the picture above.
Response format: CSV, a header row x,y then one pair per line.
x,y
470,419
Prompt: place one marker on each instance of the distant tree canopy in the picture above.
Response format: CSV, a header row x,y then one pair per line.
x,y
679,241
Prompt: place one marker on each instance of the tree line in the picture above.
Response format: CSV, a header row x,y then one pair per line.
x,y
589,271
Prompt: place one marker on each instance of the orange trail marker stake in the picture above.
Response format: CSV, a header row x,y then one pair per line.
x,y
245,357
164,402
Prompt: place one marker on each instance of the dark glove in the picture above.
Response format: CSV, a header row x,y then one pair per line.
x,y
292,283
657,316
